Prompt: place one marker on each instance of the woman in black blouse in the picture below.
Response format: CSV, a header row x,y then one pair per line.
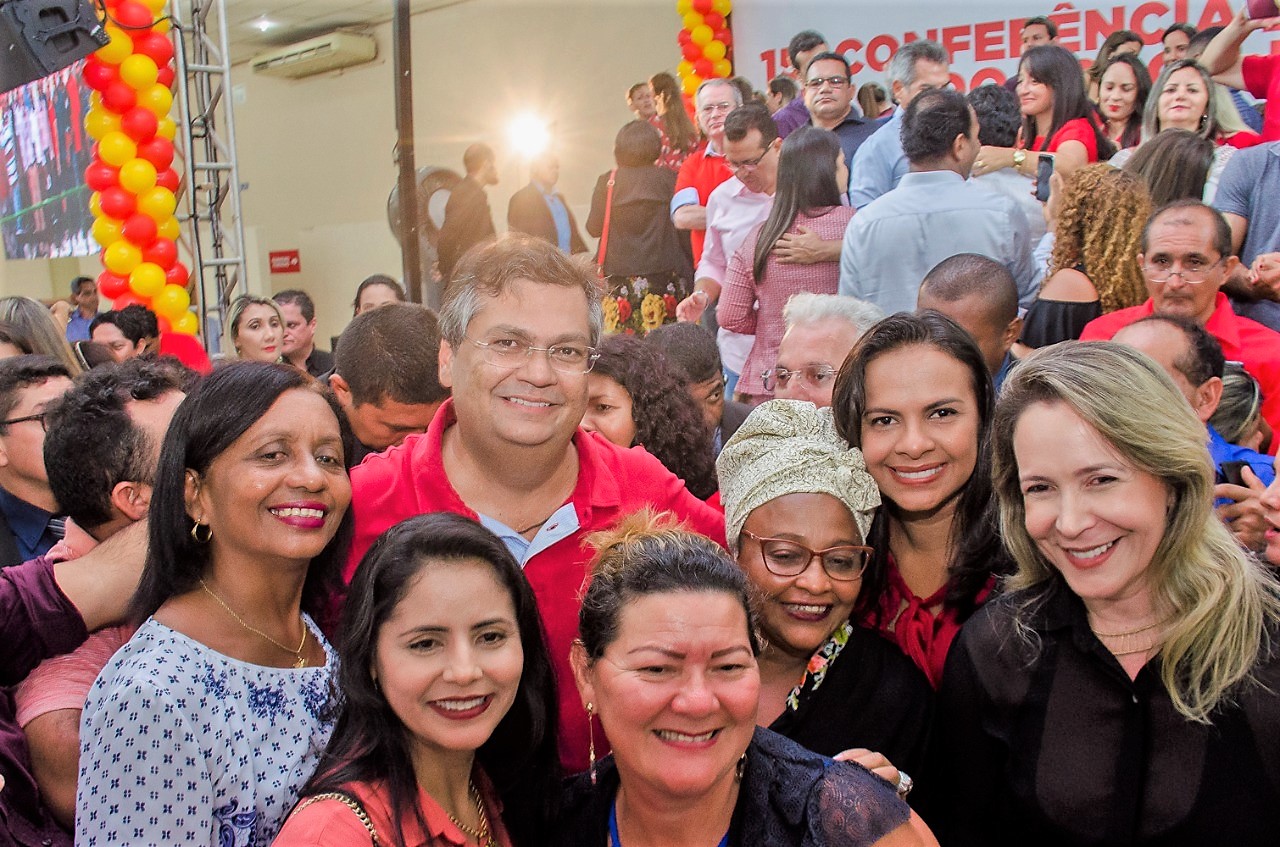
x,y
1126,690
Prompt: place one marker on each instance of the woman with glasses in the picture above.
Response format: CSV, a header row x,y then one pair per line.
x,y
798,506
811,173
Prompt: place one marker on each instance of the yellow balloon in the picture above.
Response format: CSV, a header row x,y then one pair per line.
x,y
116,148
122,257
690,84
701,35
167,129
171,302
146,280
159,100
715,51
684,69
187,324
107,231
154,6
139,72
161,26
98,122
724,7
157,203
724,68
95,204
170,229
95,100
684,7
119,48
137,176
692,20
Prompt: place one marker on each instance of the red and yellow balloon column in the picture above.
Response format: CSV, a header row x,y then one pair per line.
x,y
132,175
705,42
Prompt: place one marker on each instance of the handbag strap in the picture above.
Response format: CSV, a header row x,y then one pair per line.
x,y
604,231
351,803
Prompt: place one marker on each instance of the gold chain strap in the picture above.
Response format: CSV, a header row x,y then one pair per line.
x,y
351,803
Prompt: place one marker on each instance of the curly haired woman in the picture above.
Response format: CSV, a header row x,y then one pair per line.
x,y
1094,269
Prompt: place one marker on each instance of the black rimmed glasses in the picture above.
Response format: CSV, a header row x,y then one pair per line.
x,y
779,378
782,557
514,352
833,81
1194,269
38,416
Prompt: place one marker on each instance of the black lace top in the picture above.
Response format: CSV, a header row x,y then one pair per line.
x,y
789,797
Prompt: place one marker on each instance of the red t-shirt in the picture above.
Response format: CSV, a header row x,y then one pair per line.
x,y
1262,80
1078,129
702,173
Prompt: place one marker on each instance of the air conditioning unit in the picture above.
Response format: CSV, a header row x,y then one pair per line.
x,y
317,55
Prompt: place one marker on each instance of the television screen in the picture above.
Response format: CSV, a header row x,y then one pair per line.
x,y
44,203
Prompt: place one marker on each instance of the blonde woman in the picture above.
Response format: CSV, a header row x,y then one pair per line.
x,y
255,329
1125,689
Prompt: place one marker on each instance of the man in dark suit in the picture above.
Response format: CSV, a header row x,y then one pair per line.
x,y
467,220
541,211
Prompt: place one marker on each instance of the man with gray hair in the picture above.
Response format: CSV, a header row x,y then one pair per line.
x,y
821,330
704,169
880,164
519,328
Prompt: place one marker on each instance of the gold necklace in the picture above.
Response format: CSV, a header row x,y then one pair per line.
x,y
297,654
481,835
1124,639
1130,632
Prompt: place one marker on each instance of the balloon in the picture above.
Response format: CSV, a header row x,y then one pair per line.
x,y
157,203
177,275
119,97
701,35
159,99
98,122
146,280
170,228
155,47
171,302
187,324
683,7
139,123
691,51
162,252
155,6
702,6
127,298
690,84
725,36
683,37
100,176
684,69
162,323
119,48
714,20
137,176
157,151
97,73
168,178
140,230
165,76
722,6
139,72
703,68
167,129
161,25
692,21
118,203
112,285
121,257
106,231
724,68
134,15
116,148
715,51
95,204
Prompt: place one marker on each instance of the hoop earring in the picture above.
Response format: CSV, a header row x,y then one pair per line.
x,y
591,741
196,535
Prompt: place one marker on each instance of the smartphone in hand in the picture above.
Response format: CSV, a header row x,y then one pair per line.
x,y
1044,172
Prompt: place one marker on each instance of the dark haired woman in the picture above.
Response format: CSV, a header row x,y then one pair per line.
x,y
636,398
1124,85
448,728
925,441
811,170
679,137
202,729
1122,42
1057,118
374,291
647,270
1175,165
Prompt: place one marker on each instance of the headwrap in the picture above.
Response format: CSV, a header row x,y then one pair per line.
x,y
791,447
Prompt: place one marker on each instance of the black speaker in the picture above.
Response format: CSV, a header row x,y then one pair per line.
x,y
38,37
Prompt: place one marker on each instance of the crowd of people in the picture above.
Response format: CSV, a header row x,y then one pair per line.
x,y
893,474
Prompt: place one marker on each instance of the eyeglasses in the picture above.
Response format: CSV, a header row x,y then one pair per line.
x,y
39,416
833,81
813,375
844,562
512,353
716,109
748,167
1194,270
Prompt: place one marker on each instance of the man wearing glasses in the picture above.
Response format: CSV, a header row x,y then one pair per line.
x,y
1186,257
704,168
28,522
828,94
520,324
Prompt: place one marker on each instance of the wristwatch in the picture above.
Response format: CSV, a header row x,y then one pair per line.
x,y
1019,156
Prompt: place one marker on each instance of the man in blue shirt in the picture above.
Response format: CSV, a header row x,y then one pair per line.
x,y
84,295
541,211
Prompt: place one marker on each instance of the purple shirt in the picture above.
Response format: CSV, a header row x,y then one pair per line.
x,y
36,621
792,116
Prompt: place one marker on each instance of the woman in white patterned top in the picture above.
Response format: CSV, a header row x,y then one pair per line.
x,y
203,728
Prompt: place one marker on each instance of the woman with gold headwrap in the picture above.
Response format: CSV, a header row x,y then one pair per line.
x,y
798,504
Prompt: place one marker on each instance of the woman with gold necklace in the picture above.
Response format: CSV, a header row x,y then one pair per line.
x,y
1126,689
203,728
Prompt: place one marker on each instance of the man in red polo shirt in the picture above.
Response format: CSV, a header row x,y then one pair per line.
x,y
1259,75
1186,257
704,169
519,328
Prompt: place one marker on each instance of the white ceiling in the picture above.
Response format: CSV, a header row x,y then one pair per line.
x,y
295,20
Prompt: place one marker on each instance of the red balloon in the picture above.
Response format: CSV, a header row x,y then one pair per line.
x,y
703,6
167,178
165,76
177,275
164,324
155,47
117,202
715,20
704,68
119,97
100,176
725,36
139,229
691,51
127,298
684,37
139,124
162,252
98,74
112,285
133,15
157,151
